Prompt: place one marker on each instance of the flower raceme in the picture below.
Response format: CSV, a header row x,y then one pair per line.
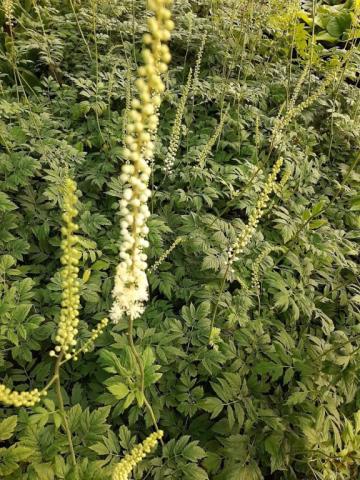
x,y
211,142
125,466
176,130
8,8
256,214
198,63
164,256
70,303
255,279
94,334
131,285
20,399
296,110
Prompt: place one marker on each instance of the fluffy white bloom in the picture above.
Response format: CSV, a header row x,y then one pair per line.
x,y
130,291
129,296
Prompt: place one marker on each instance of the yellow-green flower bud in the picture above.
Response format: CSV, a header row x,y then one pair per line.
x,y
69,315
19,399
126,465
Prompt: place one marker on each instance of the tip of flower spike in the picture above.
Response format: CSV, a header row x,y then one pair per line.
x,y
70,184
123,469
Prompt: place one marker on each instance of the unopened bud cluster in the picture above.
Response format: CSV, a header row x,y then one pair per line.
x,y
295,111
211,142
128,96
298,85
255,280
70,302
176,130
278,188
198,63
20,399
164,256
256,214
125,467
95,333
131,286
8,8
257,132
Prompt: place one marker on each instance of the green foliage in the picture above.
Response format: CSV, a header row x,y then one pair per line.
x,y
278,398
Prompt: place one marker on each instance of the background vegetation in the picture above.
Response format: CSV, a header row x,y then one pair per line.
x,y
274,393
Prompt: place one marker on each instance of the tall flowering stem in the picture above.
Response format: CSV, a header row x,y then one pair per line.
x,y
130,291
248,231
131,285
198,64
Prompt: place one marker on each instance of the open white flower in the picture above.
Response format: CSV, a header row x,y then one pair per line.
x,y
131,286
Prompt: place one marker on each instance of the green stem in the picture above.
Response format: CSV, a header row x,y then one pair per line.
x,y
62,408
136,354
80,29
53,380
218,298
141,370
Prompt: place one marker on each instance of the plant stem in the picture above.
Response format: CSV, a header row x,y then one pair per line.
x,y
141,370
218,298
62,408
135,353
53,380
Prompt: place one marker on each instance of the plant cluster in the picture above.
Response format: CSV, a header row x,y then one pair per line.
x,y
227,180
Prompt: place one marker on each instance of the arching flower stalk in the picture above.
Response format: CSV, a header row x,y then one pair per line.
x,y
131,285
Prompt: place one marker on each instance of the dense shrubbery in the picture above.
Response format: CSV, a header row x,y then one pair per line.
x,y
250,342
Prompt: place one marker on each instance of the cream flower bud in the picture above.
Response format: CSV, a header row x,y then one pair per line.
x,y
69,318
127,194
